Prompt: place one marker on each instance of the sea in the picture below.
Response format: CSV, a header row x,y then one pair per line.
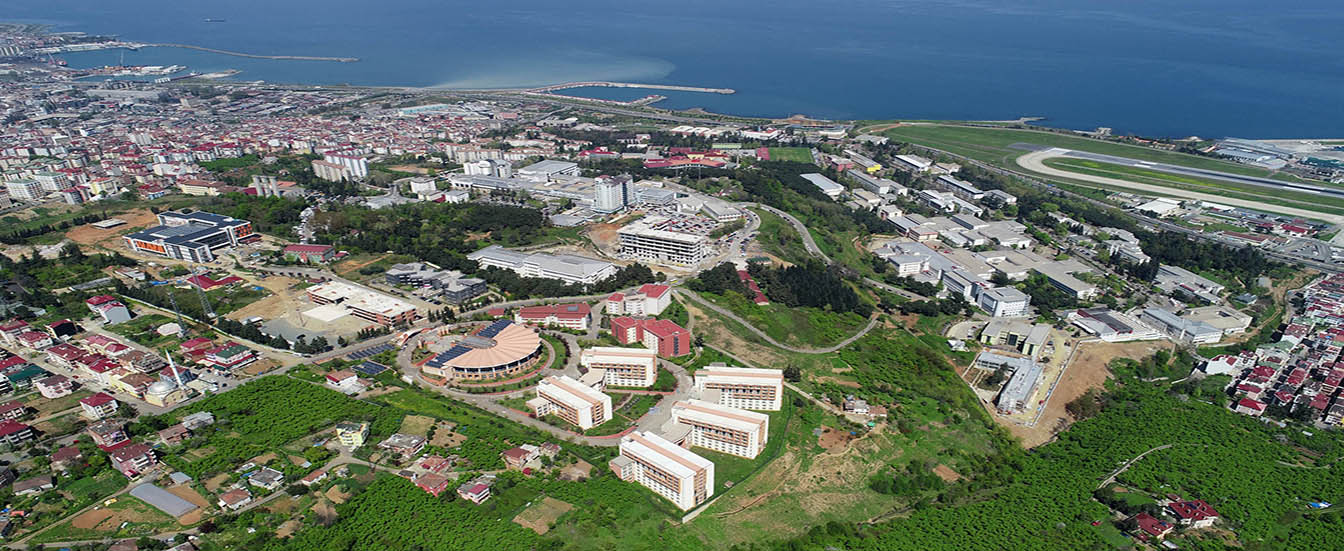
x,y
1211,68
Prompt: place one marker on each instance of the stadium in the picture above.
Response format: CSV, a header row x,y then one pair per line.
x,y
501,349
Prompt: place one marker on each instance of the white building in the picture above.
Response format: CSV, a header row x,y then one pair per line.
x,y
1002,302
723,429
669,470
613,193
564,267
741,387
572,401
827,186
1194,332
548,170
354,165
650,239
24,190
649,300
632,367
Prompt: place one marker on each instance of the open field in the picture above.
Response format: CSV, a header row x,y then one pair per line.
x,y
128,517
804,327
89,236
416,424
1281,197
540,515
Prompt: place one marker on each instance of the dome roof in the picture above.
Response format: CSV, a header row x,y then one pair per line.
x,y
161,388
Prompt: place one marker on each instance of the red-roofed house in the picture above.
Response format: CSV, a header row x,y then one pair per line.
x,y
54,386
35,340
432,483
233,499
1148,527
109,308
1250,407
64,354
13,410
15,433
98,406
1196,513
12,328
516,458
206,283
575,316
309,254
648,300
134,460
475,493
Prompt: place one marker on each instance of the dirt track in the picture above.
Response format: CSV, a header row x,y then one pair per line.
x,y
1088,370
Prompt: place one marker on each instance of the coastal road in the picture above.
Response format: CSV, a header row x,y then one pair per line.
x,y
1035,162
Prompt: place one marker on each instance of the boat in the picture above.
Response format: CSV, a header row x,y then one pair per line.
x,y
210,20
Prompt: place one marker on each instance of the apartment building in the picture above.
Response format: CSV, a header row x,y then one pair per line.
x,y
741,387
723,429
572,401
637,367
25,190
669,470
650,239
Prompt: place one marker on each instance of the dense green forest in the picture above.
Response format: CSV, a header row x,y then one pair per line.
x,y
812,284
1237,464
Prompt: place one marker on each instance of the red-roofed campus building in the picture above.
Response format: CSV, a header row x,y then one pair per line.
x,y
575,316
668,338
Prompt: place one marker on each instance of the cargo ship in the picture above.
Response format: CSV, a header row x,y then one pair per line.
x,y
210,20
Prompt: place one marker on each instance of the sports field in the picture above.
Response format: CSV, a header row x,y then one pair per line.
x,y
795,154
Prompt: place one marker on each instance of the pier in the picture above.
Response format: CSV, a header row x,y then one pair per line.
x,y
605,84
257,56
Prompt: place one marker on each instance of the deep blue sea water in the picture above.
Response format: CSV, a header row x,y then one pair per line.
x,y
1156,67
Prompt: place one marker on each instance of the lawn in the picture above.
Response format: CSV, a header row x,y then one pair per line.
x,y
794,154
708,355
142,330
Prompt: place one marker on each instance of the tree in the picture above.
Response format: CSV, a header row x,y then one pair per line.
x,y
793,374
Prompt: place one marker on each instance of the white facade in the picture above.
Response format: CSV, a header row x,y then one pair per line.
x,y
355,166
723,429
564,267
643,240
633,367
572,401
742,387
24,190
649,300
669,470
1003,302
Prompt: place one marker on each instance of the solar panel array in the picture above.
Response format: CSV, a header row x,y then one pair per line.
x,y
371,368
494,328
448,355
370,351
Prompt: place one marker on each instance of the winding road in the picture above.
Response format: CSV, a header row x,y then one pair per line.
x,y
686,293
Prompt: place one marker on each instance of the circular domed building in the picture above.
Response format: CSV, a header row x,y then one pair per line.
x,y
501,349
164,393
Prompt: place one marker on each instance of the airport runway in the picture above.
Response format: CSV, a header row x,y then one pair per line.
x,y
1204,173
1035,162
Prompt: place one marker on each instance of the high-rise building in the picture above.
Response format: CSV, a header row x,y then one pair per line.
x,y
637,367
669,470
24,190
741,387
572,401
655,240
723,429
